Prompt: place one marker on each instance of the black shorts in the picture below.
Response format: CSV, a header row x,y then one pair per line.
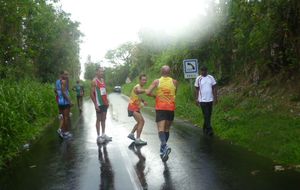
x,y
130,113
164,115
63,107
102,108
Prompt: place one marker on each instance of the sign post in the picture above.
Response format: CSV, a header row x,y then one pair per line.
x,y
190,70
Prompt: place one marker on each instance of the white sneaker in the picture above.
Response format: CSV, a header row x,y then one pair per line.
x,y
100,140
67,135
60,133
60,116
106,138
131,136
140,142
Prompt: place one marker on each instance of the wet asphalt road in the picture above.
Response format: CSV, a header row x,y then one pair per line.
x,y
196,162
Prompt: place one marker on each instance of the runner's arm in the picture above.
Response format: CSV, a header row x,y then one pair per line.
x,y
151,88
175,82
92,94
197,90
215,93
139,90
64,91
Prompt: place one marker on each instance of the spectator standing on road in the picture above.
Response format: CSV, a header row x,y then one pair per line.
x,y
100,100
165,106
206,95
134,109
64,103
78,88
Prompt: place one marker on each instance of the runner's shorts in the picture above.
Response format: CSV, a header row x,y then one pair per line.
x,y
164,115
130,113
102,108
63,107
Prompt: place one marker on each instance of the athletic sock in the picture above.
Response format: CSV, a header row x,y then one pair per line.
x,y
167,136
162,137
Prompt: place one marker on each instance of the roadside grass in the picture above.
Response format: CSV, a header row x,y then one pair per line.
x,y
262,126
261,123
26,106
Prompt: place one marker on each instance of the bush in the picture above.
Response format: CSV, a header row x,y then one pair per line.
x,y
26,106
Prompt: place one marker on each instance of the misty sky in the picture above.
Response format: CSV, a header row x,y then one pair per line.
x,y
108,23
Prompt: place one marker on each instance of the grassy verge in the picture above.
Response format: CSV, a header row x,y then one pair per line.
x,y
266,124
263,124
26,107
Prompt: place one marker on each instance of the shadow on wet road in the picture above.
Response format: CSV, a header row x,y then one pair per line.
x,y
107,174
140,165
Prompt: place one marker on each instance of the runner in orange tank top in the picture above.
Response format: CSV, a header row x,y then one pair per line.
x,y
134,108
165,106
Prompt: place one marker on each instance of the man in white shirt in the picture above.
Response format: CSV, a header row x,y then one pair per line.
x,y
206,95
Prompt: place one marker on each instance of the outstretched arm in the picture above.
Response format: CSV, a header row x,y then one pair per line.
x,y
151,88
139,90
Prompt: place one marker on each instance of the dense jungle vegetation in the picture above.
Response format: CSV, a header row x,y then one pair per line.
x,y
37,41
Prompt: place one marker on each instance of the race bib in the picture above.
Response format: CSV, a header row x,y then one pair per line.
x,y
103,91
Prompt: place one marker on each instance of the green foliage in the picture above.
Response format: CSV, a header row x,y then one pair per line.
x,y
259,125
90,70
121,55
25,108
252,41
37,41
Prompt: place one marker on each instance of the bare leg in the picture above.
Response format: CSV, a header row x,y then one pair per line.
x,y
98,123
66,116
80,103
103,119
161,126
140,123
134,128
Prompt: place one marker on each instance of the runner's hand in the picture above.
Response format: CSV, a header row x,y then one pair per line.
x,y
97,108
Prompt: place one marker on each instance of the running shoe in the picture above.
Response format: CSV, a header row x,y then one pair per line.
x,y
140,142
67,135
166,153
131,136
161,151
100,140
60,116
60,132
106,138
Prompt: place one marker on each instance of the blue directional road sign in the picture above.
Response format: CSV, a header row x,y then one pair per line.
x,y
190,68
